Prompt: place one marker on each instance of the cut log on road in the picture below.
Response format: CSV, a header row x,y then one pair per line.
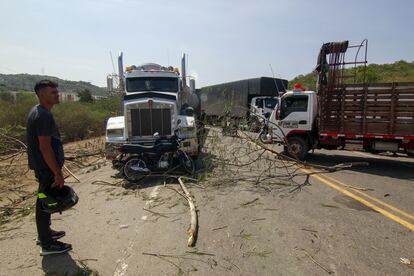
x,y
192,230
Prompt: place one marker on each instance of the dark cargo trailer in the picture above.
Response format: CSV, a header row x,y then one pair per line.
x,y
234,97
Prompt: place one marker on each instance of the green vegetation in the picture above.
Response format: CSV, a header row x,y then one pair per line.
x,y
400,71
25,82
85,96
76,120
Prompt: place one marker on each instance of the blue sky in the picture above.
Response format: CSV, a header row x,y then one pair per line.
x,y
226,40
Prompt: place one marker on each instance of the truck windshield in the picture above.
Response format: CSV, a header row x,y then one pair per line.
x,y
270,103
152,84
295,103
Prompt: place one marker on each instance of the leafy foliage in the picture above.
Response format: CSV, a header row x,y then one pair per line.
x,y
7,97
400,71
85,96
76,120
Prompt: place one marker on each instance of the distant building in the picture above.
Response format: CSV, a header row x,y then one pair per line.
x,y
68,97
99,97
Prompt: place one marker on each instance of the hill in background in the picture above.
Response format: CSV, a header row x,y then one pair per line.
x,y
400,71
26,82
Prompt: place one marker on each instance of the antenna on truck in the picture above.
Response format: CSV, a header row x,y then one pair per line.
x,y
112,61
113,75
273,74
183,70
121,72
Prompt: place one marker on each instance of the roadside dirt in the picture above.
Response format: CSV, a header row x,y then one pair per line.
x,y
18,184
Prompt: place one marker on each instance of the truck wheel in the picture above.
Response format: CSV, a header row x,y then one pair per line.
x,y
297,148
264,137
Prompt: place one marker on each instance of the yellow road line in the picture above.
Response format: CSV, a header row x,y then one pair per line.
x,y
395,209
363,201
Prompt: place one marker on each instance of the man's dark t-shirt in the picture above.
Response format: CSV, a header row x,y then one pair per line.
x,y
40,122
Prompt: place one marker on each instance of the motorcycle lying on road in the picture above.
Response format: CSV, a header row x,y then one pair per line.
x,y
139,161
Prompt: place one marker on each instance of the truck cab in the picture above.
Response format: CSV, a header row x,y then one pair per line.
x,y
150,102
294,120
259,106
155,102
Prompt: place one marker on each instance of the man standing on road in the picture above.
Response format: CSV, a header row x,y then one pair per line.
x,y
46,158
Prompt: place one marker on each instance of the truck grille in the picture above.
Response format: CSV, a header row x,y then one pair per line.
x,y
146,122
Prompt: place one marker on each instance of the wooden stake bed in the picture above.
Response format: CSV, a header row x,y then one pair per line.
x,y
384,109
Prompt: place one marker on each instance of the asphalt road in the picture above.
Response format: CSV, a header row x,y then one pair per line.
x,y
257,216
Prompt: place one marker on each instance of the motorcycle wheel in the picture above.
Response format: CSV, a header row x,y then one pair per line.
x,y
263,136
135,169
187,163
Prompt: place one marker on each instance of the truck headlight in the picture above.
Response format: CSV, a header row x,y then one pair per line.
x,y
187,129
115,132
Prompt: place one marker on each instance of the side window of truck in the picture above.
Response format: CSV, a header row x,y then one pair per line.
x,y
296,103
259,103
270,103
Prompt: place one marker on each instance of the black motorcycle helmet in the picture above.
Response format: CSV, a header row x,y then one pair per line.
x,y
58,200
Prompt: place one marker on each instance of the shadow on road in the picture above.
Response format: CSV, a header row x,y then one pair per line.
x,y
395,168
62,264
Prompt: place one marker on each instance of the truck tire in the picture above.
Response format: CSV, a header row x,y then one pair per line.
x,y
297,148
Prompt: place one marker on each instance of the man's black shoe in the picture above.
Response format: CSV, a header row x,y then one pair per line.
x,y
55,235
55,247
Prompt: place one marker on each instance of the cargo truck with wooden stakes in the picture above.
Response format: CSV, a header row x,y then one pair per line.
x,y
374,117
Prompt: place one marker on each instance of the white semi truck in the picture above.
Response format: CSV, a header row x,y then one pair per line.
x,y
156,101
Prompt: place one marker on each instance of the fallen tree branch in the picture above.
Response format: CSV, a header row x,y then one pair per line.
x,y
155,213
14,139
334,168
13,155
106,183
178,192
71,173
358,188
192,230
250,202
314,261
